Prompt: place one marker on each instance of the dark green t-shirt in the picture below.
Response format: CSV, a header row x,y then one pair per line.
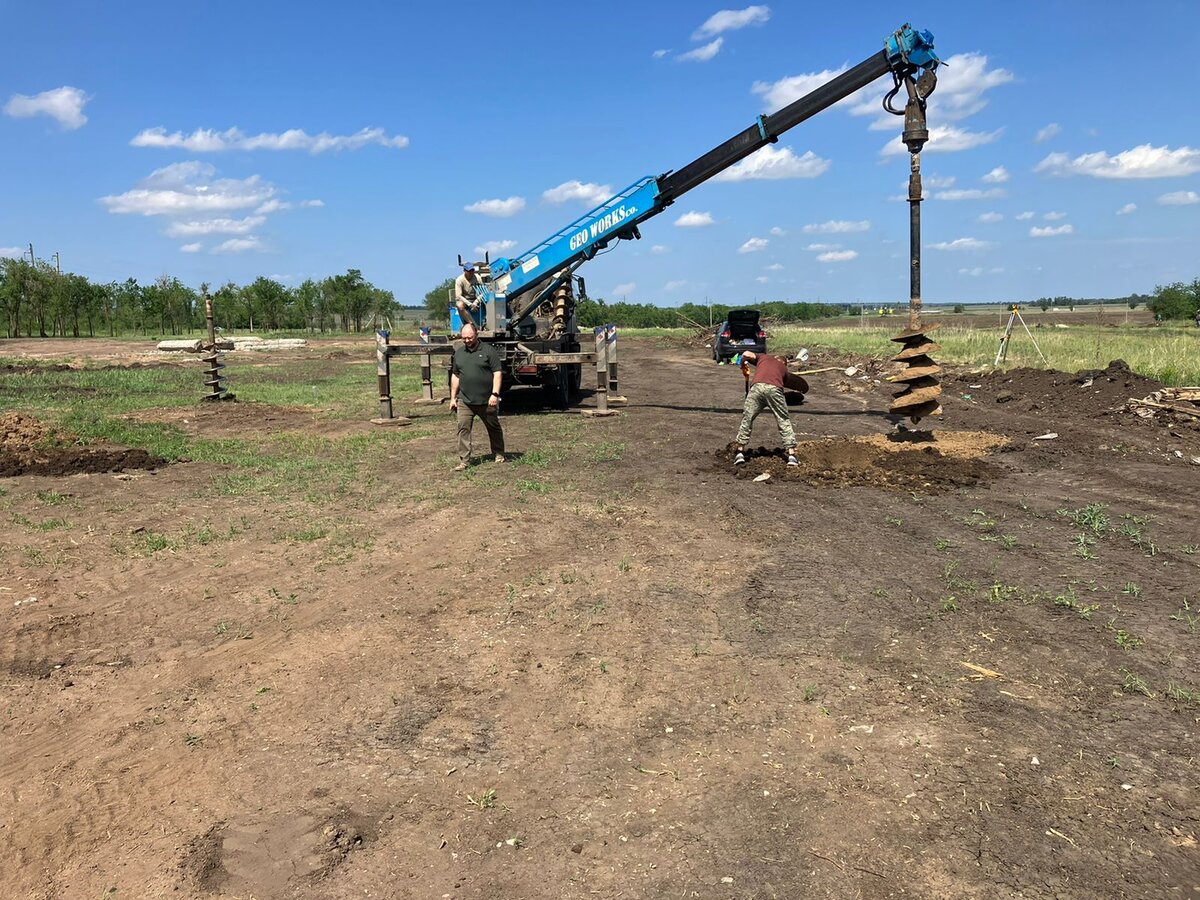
x,y
474,369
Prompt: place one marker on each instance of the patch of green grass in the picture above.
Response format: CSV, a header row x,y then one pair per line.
x,y
1180,694
1132,589
950,604
1093,517
532,486
1127,641
306,534
53,498
155,542
1132,683
485,800
608,451
942,545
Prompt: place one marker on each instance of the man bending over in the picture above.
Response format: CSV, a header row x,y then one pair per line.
x,y
766,392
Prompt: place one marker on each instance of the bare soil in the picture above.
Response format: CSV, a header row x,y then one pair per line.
x,y
626,670
28,447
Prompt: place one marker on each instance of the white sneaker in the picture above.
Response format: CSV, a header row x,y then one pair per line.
x,y
739,459
792,461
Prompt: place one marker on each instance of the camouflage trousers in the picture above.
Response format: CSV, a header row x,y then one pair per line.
x,y
766,396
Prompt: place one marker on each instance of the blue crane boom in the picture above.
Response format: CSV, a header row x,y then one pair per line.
x,y
907,53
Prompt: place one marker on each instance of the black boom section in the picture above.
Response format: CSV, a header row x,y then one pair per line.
x,y
740,146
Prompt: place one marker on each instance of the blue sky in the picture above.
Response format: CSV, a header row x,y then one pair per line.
x,y
223,140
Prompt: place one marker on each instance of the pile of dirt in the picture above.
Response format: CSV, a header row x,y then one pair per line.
x,y
907,460
1091,392
29,447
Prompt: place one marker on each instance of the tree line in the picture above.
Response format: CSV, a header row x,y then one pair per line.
x,y
37,300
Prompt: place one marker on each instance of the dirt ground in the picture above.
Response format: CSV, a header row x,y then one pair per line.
x,y
922,665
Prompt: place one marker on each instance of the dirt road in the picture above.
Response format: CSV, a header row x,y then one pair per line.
x,y
613,667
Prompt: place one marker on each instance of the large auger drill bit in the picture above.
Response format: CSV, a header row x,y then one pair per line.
x,y
214,380
921,388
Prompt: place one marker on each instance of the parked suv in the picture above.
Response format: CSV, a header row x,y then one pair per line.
x,y
737,333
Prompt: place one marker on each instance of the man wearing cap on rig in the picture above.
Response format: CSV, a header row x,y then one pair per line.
x,y
766,392
464,291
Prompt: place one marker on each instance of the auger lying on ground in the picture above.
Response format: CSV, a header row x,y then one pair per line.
x,y
922,391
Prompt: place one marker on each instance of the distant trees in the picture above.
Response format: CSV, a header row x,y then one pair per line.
x,y
37,300
1179,300
645,315
437,301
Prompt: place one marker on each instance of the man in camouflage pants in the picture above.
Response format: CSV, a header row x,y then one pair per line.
x,y
766,392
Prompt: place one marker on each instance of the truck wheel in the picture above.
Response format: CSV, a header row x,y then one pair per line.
x,y
558,389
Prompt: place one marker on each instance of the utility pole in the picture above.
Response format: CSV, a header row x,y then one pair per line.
x,y
57,263
32,258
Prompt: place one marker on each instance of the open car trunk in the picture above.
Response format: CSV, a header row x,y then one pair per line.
x,y
743,323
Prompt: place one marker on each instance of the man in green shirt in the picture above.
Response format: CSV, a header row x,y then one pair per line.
x,y
475,373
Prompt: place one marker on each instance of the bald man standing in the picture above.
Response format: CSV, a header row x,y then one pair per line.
x,y
475,376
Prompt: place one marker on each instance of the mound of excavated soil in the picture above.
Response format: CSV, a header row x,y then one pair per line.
x,y
911,460
1090,392
29,447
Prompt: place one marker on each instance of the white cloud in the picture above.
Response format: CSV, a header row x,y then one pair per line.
x,y
775,267
934,182
273,206
962,84
495,247
659,54
215,226
590,193
777,232
191,248
837,226
313,204
703,53
209,140
771,163
731,20
754,245
659,249
777,94
11,252
674,285
998,175
64,105
963,243
970,194
189,187
820,248
1024,216
838,256
1054,216
501,209
1127,209
945,139
995,270
989,217
1052,130
239,245
1142,161
974,273
622,289
1179,198
762,279
1051,230
694,219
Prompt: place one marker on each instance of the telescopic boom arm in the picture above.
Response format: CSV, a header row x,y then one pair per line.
x,y
908,54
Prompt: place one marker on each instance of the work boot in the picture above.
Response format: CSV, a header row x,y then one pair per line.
x,y
792,461
739,459
462,466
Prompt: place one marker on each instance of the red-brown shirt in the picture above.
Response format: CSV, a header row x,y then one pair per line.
x,y
769,370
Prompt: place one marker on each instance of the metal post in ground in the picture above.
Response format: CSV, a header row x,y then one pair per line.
x,y
601,376
426,372
383,369
614,392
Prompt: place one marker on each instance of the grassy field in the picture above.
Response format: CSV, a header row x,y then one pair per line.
x,y
101,404
1169,353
